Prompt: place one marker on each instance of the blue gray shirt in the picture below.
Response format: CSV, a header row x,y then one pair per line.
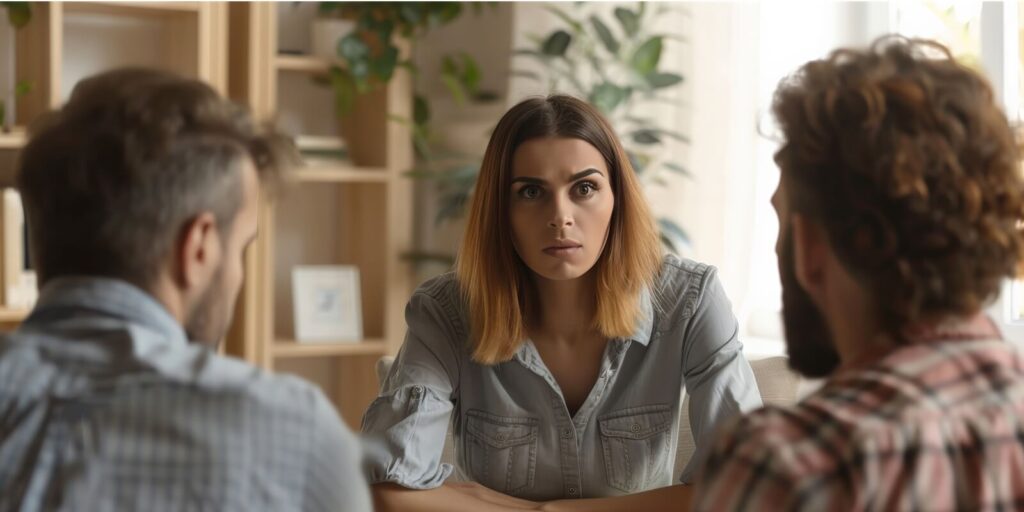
x,y
105,405
511,427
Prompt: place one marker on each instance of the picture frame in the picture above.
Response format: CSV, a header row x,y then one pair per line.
x,y
327,302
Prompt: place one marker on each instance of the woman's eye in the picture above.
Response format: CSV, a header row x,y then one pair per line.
x,y
585,189
529,192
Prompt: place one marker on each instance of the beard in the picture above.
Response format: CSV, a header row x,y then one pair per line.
x,y
208,321
809,342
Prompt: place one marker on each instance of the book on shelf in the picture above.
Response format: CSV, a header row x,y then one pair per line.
x,y
18,278
321,150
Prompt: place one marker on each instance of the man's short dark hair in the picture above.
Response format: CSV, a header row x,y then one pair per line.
x,y
109,180
904,157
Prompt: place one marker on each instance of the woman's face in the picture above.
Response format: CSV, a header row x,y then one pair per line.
x,y
561,206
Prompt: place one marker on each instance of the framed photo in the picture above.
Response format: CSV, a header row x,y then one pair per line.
x,y
327,304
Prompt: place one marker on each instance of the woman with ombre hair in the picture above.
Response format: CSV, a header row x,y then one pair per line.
x,y
559,348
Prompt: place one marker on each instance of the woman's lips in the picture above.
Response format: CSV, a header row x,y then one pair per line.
x,y
562,251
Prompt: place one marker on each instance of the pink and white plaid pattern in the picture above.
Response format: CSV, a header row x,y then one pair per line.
x,y
931,427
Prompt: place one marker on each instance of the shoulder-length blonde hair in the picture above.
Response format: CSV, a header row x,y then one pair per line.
x,y
495,282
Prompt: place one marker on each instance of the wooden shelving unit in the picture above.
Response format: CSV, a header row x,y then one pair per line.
x,y
341,174
12,316
14,140
302,64
353,212
284,349
67,41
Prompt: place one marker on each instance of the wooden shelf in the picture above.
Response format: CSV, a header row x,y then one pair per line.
x,y
284,348
16,139
303,63
322,173
134,8
12,315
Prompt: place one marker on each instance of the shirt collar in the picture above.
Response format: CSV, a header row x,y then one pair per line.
x,y
641,334
105,297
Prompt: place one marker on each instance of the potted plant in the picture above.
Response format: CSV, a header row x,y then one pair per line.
x,y
18,14
615,65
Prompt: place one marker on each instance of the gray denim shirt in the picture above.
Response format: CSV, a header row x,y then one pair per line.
x,y
511,427
106,405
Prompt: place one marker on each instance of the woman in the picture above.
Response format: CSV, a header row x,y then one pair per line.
x,y
560,345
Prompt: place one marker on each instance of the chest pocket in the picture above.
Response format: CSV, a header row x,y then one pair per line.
x,y
637,446
501,451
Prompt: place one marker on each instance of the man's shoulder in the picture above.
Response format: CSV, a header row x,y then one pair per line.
x,y
260,388
807,438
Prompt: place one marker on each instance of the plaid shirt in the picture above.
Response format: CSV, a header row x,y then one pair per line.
x,y
929,427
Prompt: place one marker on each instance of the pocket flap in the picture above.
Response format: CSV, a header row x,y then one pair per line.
x,y
637,422
500,431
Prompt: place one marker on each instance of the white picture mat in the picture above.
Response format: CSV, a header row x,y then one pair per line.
x,y
327,304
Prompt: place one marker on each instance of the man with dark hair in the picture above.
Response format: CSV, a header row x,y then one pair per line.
x,y
899,204
141,199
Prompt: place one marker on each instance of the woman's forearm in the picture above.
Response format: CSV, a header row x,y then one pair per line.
x,y
675,497
447,498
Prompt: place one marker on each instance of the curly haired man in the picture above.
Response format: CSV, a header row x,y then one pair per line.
x,y
899,204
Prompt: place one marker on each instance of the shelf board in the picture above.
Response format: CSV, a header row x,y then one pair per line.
x,y
8,315
319,173
132,8
16,139
286,348
304,63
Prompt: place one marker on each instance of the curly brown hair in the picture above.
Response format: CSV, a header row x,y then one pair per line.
x,y
903,156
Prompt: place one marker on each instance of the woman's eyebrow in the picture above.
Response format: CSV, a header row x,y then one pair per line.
x,y
584,173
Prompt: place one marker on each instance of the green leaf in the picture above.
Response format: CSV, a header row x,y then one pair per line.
x,y
411,67
673,232
646,136
629,21
383,67
470,76
451,82
420,110
411,13
344,91
575,25
352,47
678,169
18,13
605,35
326,8
607,96
557,43
645,59
22,88
662,80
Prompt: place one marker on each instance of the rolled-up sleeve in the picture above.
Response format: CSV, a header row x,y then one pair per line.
x,y
717,376
404,428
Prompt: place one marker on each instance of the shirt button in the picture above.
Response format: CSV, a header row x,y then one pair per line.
x,y
572,491
567,433
416,391
635,427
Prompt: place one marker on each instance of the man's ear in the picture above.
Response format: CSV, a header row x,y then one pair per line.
x,y
198,252
810,254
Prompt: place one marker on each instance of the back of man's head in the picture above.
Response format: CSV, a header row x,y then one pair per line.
x,y
904,158
109,180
